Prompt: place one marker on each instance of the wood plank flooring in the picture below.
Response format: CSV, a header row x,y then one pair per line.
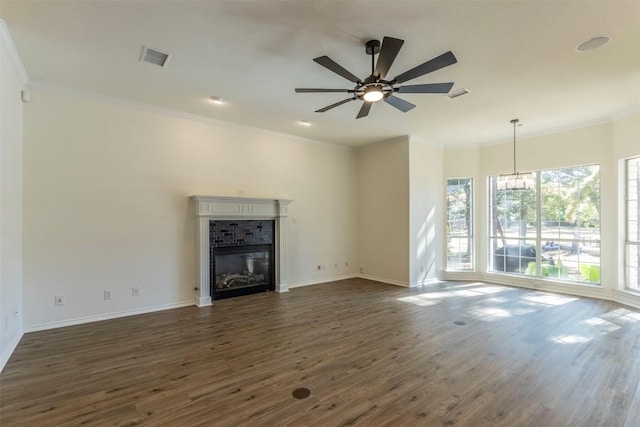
x,y
371,354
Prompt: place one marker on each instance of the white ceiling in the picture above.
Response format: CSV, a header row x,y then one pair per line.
x,y
518,59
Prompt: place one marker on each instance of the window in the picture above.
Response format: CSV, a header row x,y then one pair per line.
x,y
632,239
459,224
513,234
551,230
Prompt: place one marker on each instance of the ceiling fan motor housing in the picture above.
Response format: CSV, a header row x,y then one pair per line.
x,y
372,47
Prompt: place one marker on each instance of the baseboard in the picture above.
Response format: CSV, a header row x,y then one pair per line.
x,y
320,281
384,280
107,316
631,299
7,352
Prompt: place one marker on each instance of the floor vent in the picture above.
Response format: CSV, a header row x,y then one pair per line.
x,y
154,56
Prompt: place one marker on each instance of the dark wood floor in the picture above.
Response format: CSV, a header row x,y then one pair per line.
x,y
371,354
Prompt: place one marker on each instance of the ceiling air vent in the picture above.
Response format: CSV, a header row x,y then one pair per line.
x,y
458,93
154,56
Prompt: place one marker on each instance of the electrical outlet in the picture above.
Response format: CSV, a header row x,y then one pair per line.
x,y
135,291
58,300
107,294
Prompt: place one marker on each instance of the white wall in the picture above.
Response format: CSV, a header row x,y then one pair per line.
x,y
383,211
12,77
601,144
425,212
626,136
106,191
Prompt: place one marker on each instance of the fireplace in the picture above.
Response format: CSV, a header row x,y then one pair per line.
x,y
241,246
241,257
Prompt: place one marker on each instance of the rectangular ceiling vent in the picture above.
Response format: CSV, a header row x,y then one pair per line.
x,y
154,56
458,93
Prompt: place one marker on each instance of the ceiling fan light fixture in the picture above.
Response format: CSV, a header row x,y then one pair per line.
x,y
373,94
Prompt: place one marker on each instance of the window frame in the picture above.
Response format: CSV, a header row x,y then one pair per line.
x,y
471,232
628,242
539,236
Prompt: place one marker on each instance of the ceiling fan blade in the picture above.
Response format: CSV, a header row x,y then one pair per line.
x,y
309,90
400,104
329,107
434,64
427,88
364,110
388,52
329,63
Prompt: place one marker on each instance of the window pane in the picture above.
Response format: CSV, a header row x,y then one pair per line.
x,y
512,255
632,244
513,229
572,260
632,266
459,224
570,226
568,236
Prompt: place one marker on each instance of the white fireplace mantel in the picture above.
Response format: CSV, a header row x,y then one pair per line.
x,y
209,208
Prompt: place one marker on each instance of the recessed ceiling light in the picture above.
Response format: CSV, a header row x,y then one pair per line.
x,y
304,123
593,43
216,100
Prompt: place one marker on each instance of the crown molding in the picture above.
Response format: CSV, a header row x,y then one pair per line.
x,y
178,114
9,47
553,130
626,113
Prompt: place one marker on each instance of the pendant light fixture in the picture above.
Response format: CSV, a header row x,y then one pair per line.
x,y
515,180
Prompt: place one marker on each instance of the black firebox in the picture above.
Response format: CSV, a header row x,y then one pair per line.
x,y
242,257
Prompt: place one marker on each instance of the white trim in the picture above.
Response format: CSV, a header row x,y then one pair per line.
x,y
209,208
179,114
626,113
106,316
7,352
538,283
454,276
549,131
629,298
384,280
322,281
12,52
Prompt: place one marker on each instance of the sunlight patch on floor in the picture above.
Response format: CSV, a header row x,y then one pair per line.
x,y
570,339
491,289
420,300
549,299
490,314
622,316
604,325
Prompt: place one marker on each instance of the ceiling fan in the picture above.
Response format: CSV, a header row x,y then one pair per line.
x,y
375,87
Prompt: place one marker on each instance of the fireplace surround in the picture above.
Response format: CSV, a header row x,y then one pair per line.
x,y
212,210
